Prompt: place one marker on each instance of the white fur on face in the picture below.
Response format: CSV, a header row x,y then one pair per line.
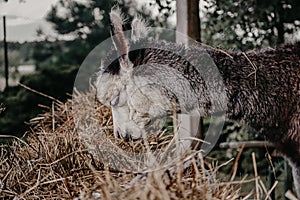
x,y
135,103
109,88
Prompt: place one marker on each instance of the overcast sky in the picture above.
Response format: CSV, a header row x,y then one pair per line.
x,y
24,18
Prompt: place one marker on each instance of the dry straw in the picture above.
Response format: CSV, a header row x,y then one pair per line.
x,y
52,162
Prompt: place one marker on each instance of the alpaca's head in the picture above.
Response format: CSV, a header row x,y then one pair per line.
x,y
145,80
137,108
137,102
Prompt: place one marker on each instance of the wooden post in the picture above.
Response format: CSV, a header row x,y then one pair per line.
x,y
188,20
188,24
5,52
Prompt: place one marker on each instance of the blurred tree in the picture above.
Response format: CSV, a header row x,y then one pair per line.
x,y
84,25
165,10
22,105
248,24
2,108
243,24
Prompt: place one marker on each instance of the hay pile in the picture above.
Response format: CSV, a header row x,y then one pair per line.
x,y
52,161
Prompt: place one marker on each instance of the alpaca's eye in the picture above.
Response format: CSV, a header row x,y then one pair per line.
x,y
115,100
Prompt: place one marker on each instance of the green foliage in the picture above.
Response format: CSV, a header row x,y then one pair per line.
x,y
18,53
242,24
248,24
166,9
12,119
54,81
85,24
22,105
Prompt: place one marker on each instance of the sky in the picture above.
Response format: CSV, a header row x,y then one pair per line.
x,y
24,17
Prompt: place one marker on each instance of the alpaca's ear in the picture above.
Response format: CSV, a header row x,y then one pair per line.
x,y
139,29
118,37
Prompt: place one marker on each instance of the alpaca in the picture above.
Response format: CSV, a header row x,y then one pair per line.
x,y
258,88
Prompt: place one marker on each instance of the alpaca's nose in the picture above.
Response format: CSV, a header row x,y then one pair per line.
x,y
118,135
123,136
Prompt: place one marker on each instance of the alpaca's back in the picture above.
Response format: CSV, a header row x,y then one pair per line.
x,y
263,87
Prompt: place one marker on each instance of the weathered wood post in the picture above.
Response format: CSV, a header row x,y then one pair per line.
x,y
188,24
5,52
188,20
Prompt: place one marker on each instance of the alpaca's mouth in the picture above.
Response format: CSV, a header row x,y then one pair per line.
x,y
156,126
126,137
